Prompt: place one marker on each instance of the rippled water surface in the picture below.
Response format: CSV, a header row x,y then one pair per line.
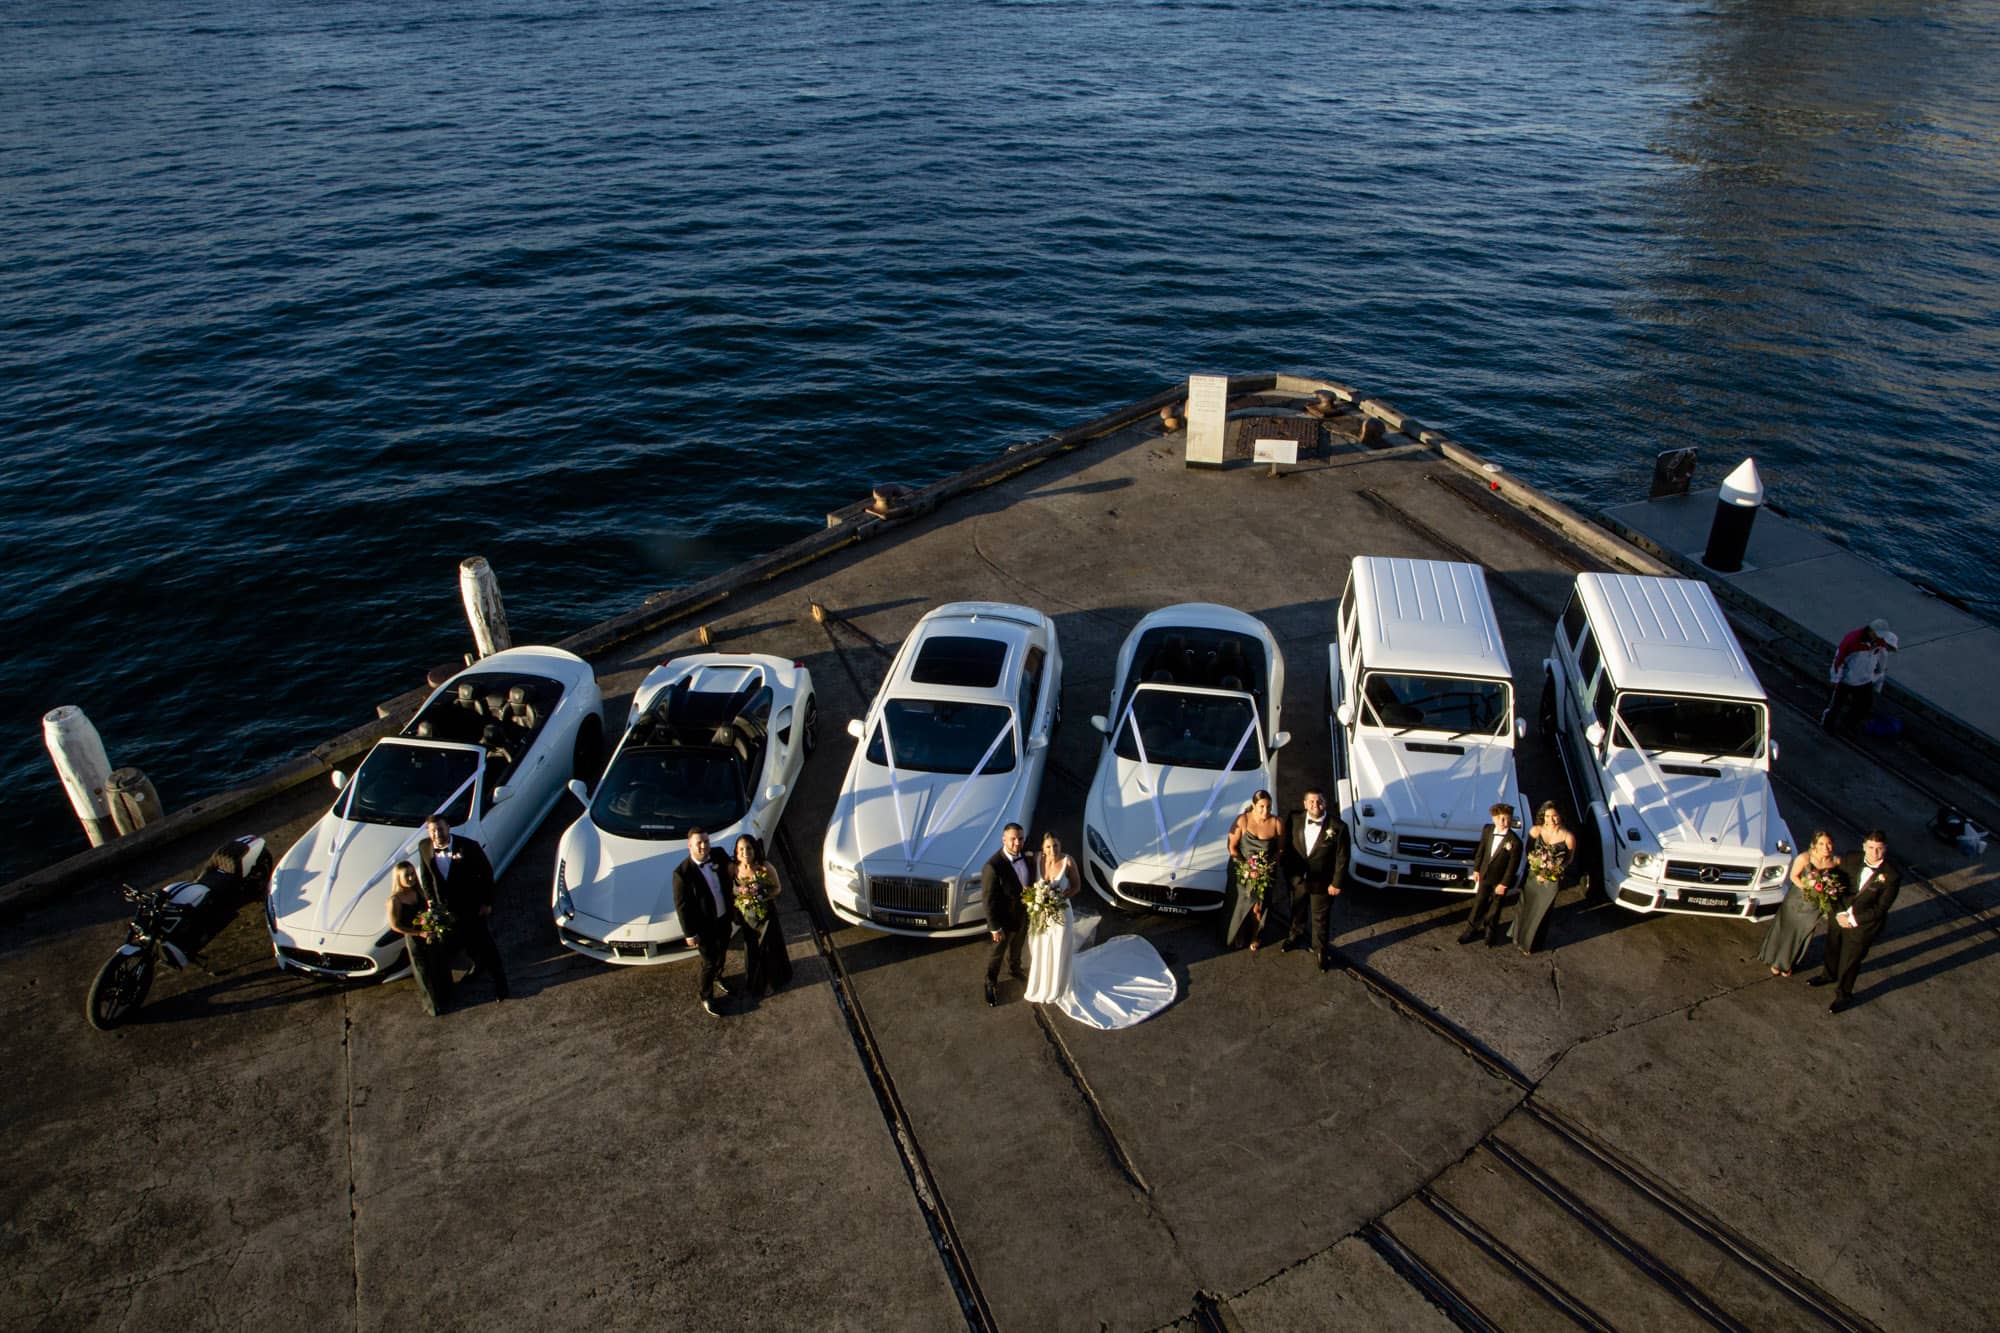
x,y
304,302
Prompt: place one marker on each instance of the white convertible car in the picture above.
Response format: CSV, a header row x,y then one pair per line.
x,y
490,749
1192,732
950,752
715,741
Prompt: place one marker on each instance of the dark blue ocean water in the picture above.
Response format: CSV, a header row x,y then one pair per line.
x,y
300,303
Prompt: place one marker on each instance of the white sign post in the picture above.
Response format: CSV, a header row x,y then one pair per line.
x,y
1208,406
1275,452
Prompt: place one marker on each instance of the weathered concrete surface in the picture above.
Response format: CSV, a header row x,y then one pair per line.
x,y
599,1150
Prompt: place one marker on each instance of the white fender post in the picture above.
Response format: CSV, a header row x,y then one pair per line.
x,y
1736,506
480,590
80,762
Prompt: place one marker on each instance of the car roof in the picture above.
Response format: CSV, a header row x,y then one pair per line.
x,y
931,675
1665,635
1426,616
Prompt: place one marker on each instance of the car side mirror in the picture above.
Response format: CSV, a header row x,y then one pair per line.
x,y
855,729
1346,714
578,790
1036,744
1594,733
1280,740
1521,728
774,791
339,779
1774,751
500,793
1101,722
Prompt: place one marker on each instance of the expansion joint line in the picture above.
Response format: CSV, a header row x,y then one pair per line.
x,y
1106,1135
353,1206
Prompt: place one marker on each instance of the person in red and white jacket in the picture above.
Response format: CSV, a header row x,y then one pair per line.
x,y
1860,666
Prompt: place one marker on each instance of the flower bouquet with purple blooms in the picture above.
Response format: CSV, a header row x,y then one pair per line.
x,y
1825,889
1044,903
753,899
433,923
1255,876
1546,862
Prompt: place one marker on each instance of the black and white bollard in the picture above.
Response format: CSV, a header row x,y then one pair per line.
x,y
80,762
1736,506
480,590
134,800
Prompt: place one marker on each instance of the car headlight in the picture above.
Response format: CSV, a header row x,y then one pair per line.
x,y
1373,836
1771,873
1641,860
843,877
565,906
1099,847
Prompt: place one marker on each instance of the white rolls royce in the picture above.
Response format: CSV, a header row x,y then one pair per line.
x,y
714,741
950,752
1192,732
490,750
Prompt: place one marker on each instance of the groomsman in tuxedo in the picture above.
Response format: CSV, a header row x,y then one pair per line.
x,y
705,904
1494,867
1006,876
1851,930
453,869
1316,856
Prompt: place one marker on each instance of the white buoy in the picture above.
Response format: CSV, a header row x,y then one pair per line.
x,y
81,763
480,590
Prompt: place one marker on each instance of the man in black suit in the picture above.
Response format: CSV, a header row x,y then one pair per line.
x,y
1316,856
1851,930
705,905
453,869
1493,869
1006,876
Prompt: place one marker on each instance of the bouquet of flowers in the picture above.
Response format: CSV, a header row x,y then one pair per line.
x,y
753,899
1546,862
433,923
1045,905
1255,876
1825,889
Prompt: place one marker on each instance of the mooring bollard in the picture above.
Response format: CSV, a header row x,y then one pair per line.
x,y
1736,506
80,762
480,590
133,799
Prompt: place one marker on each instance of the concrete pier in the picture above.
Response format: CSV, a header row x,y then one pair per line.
x,y
1641,1125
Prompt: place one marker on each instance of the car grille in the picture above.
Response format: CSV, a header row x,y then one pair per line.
x,y
897,893
1706,872
1173,895
619,948
1438,849
327,962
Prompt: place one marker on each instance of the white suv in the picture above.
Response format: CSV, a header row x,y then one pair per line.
x,y
1666,737
1422,707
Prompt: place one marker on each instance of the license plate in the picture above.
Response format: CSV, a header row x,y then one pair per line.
x,y
1436,876
1708,900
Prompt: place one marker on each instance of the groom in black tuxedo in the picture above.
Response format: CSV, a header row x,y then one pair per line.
x,y
1316,857
1851,930
1006,876
705,904
452,869
1494,868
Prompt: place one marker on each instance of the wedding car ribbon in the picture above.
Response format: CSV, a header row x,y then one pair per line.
x,y
1688,833
1146,777
1006,728
402,850
895,790
1214,792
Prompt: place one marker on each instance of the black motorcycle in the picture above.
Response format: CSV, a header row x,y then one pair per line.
x,y
174,921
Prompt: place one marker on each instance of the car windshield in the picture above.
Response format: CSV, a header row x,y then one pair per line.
x,y
1184,729
1711,728
405,784
660,792
1462,705
943,736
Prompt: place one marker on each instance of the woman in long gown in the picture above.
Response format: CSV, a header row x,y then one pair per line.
x,y
767,965
1254,843
1051,947
430,957
1798,916
1551,847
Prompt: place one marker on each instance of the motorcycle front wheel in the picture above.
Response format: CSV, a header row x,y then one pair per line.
x,y
120,988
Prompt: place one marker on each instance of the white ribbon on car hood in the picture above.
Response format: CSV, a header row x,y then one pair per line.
x,y
1689,835
938,824
1151,783
402,850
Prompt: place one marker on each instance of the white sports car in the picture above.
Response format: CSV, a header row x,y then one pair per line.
x,y
490,749
1192,732
951,751
715,741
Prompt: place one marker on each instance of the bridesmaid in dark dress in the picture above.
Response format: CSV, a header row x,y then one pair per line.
x,y
1551,848
430,960
767,963
1257,832
1791,930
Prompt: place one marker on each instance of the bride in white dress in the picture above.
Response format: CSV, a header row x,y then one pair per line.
x,y
1050,947
1111,985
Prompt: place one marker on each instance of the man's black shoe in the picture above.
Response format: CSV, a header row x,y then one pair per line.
x,y
1838,1005
990,999
1325,963
1819,981
1468,937
1291,945
708,1007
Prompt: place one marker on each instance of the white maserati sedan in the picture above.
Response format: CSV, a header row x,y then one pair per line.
x,y
714,741
491,750
951,751
1192,732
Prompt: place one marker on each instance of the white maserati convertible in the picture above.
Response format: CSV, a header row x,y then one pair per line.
x,y
951,751
715,741
1192,732
490,749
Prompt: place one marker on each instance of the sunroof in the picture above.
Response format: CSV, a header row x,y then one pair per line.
x,y
953,659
